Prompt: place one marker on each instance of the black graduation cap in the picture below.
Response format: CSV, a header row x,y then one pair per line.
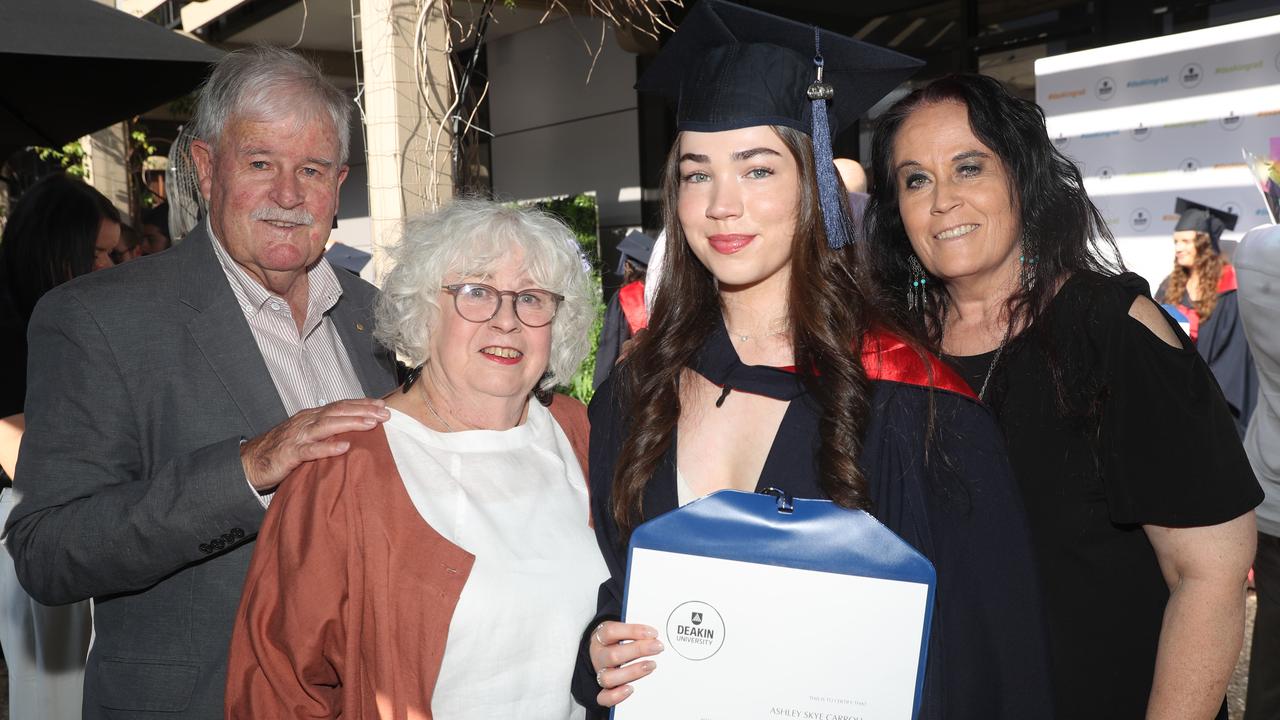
x,y
637,246
729,67
1202,218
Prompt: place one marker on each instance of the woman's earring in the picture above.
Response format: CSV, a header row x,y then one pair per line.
x,y
1027,265
918,279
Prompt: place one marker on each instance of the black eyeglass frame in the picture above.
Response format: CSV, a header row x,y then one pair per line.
x,y
456,288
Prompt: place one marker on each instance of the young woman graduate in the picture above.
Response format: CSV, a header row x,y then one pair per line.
x,y
1202,287
764,365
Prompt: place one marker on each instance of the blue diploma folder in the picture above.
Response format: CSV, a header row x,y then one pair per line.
x,y
772,529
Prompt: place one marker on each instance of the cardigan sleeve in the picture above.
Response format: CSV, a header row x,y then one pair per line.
x,y
286,656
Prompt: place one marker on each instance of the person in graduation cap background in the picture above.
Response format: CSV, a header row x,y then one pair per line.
x,y
761,332
626,314
1202,286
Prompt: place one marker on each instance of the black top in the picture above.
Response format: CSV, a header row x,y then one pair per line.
x,y
1143,436
951,497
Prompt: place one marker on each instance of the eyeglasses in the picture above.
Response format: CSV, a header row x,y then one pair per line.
x,y
477,303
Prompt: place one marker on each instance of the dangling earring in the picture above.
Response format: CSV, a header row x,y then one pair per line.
x,y
918,278
1027,265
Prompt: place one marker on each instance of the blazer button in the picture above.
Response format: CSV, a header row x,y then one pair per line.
x,y
205,549
237,533
217,544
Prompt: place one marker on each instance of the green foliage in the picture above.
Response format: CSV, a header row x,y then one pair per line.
x,y
139,141
580,386
579,212
70,157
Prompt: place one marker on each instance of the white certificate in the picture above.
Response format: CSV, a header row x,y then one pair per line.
x,y
747,641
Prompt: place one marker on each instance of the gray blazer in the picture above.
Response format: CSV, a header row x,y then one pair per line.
x,y
142,382
1257,262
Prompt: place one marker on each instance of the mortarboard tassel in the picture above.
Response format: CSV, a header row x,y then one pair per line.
x,y
829,187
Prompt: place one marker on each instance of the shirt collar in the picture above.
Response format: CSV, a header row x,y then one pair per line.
x,y
323,288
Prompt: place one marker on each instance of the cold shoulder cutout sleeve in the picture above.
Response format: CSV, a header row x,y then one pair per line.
x,y
1168,449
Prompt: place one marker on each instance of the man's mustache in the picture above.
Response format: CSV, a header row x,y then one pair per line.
x,y
297,217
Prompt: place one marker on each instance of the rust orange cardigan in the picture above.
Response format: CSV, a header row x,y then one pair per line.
x,y
349,597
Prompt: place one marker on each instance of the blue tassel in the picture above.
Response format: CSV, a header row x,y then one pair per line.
x,y
834,219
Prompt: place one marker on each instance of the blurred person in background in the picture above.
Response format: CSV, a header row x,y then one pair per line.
x,y
1257,263
59,229
129,247
626,313
155,230
983,240
1202,286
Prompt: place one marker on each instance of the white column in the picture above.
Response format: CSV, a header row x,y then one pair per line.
x,y
408,151
106,155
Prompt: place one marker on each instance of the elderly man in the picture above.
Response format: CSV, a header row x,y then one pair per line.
x,y
169,397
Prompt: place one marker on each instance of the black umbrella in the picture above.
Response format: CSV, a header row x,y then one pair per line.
x,y
69,67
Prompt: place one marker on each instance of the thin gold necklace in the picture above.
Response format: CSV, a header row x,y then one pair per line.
x,y
431,406
744,338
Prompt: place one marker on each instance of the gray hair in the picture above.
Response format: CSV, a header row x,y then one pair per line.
x,y
471,237
270,82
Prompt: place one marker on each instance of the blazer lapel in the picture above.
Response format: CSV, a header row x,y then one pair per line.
x,y
223,335
354,321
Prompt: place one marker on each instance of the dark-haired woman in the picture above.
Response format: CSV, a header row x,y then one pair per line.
x,y
763,365
1203,288
985,242
60,228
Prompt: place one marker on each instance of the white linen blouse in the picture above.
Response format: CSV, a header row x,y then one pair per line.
x,y
517,500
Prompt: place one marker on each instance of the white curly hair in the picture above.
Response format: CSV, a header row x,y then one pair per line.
x,y
470,237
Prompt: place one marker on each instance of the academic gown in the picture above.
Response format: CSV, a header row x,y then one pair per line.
x,y
1220,340
951,496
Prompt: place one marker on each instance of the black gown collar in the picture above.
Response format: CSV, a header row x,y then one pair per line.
x,y
719,363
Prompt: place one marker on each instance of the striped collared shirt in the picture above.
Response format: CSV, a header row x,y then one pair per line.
x,y
309,368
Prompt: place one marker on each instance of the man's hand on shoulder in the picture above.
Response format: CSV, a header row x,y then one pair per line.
x,y
270,457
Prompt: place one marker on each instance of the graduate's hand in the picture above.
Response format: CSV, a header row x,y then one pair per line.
x,y
613,645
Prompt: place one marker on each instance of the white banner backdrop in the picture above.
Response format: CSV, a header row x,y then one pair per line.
x,y
1157,119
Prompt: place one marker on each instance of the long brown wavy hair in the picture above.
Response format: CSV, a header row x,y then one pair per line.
x,y
1208,268
827,315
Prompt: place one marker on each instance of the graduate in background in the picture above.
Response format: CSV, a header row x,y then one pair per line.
x,y
626,314
767,364
1202,287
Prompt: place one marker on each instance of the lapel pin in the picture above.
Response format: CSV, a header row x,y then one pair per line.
x,y
360,327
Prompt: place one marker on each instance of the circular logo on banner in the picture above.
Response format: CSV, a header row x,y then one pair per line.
x,y
1140,219
1191,75
1061,142
1105,89
695,630
1141,133
1105,173
1232,207
1231,122
1189,165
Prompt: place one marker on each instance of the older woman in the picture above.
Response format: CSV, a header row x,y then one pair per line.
x,y
764,365
989,247
445,565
